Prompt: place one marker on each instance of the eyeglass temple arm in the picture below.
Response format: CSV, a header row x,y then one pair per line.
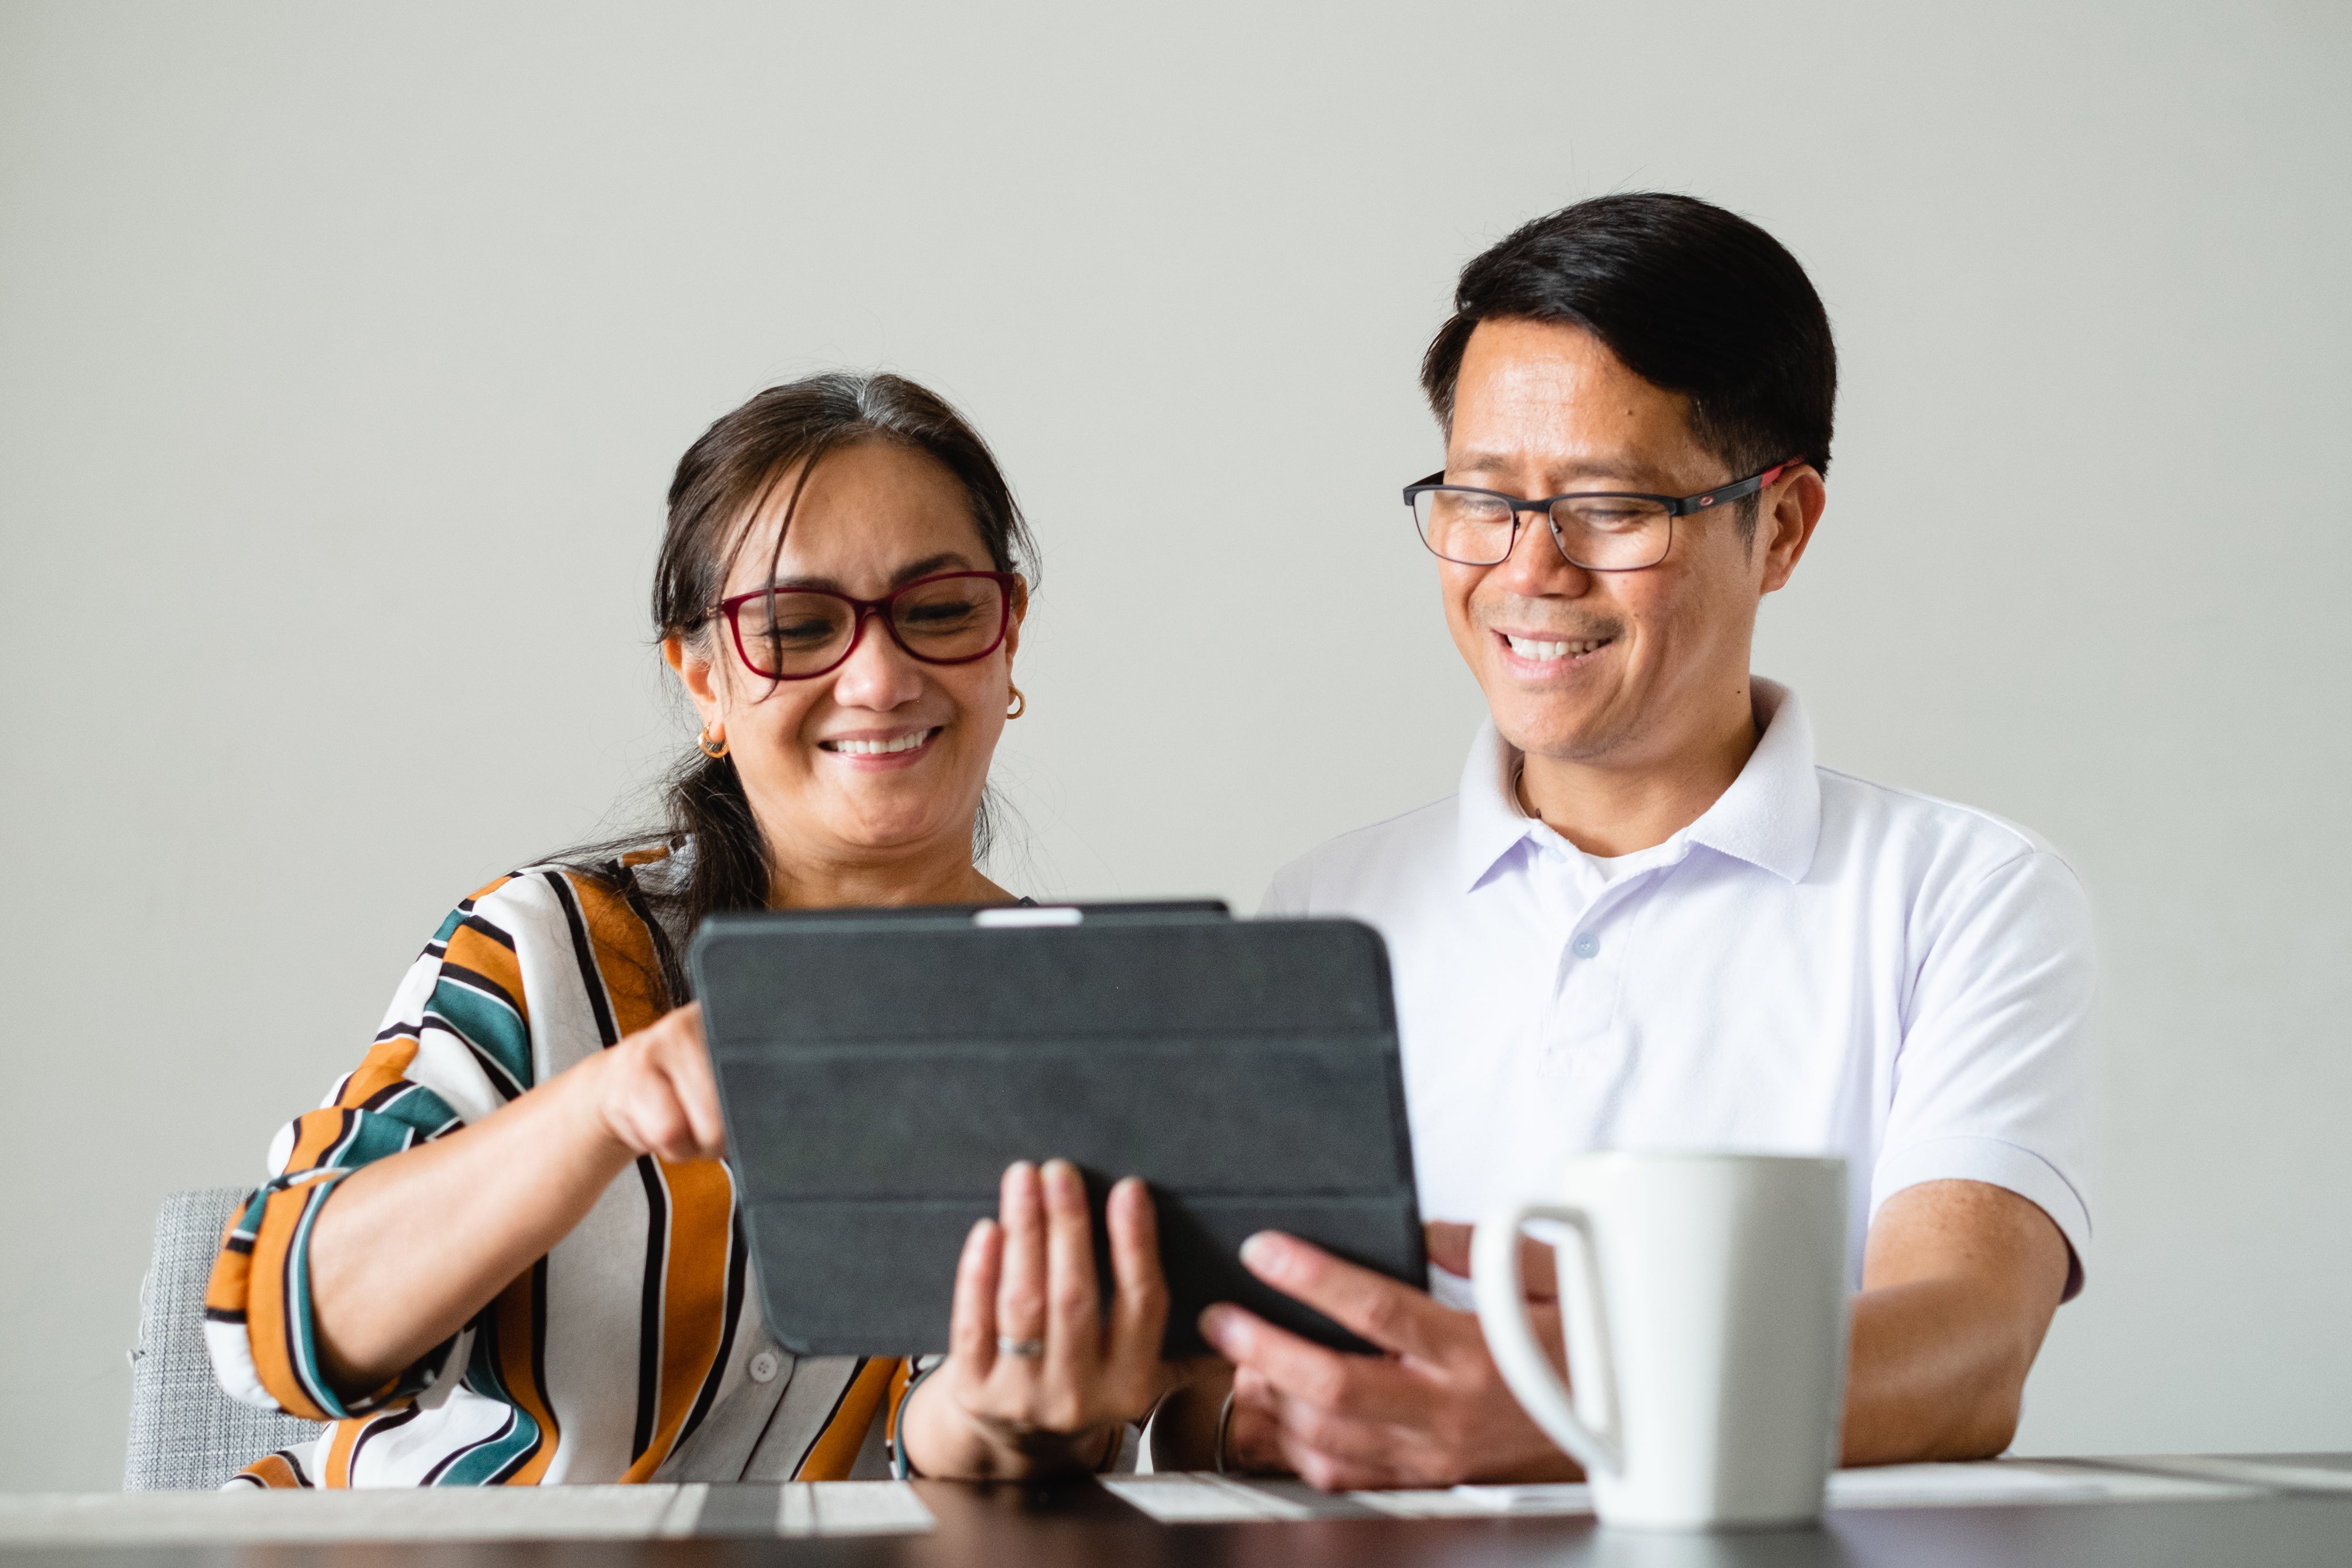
x,y
1739,490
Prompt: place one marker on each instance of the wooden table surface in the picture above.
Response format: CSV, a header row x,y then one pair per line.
x,y
2283,1510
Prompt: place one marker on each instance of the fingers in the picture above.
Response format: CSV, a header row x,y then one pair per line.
x,y
1393,1316
971,1330
1447,1242
1271,1433
657,1093
643,1111
685,1060
1139,1307
1362,1387
1073,1294
1021,1281
1253,1436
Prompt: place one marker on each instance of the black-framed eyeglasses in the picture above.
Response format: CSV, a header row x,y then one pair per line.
x,y
1605,530
799,634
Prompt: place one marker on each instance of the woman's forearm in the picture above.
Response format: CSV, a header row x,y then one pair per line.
x,y
406,1250
940,1441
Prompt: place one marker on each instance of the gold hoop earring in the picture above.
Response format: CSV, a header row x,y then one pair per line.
x,y
702,742
1020,704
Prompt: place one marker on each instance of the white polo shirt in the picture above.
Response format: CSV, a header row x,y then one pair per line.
x,y
1818,965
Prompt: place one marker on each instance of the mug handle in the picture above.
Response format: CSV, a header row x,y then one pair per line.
x,y
1502,1313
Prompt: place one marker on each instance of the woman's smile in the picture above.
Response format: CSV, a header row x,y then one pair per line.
x,y
871,750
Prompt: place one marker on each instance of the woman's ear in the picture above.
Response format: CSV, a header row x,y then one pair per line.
x,y
1020,611
696,674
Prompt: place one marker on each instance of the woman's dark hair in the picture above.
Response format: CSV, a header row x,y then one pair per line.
x,y
724,482
1691,298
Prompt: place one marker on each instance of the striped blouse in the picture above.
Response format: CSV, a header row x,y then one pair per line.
x,y
633,1350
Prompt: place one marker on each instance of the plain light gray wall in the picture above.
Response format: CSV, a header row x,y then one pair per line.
x,y
345,351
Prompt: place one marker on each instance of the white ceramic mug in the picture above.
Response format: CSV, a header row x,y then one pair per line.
x,y
1705,1303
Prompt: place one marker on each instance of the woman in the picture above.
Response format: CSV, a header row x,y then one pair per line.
x,y
505,1252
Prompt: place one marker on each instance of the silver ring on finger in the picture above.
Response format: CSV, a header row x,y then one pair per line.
x,y
1027,1349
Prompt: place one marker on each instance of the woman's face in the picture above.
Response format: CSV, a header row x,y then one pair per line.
x,y
870,519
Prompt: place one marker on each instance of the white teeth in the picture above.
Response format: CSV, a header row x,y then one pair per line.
x,y
879,747
1528,648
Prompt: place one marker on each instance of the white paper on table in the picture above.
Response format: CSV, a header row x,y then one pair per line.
x,y
2249,1469
1989,1482
857,1508
1557,1500
408,1514
1180,1497
1994,1483
443,1513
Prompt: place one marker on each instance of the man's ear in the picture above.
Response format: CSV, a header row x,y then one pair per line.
x,y
1795,504
696,674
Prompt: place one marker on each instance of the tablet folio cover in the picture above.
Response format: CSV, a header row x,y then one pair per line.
x,y
878,1070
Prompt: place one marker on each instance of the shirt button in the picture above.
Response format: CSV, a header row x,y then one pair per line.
x,y
764,1366
1585,946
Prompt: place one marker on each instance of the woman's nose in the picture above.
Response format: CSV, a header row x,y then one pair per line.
x,y
878,674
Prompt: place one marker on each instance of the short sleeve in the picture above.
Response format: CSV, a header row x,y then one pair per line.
x,y
1992,1081
1288,895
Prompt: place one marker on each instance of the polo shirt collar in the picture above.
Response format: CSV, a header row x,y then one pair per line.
x,y
1770,817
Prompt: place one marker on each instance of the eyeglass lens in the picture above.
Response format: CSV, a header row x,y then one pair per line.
x,y
1604,533
787,634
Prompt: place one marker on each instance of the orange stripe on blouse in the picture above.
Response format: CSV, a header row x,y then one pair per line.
x,y
225,1291
265,1300
337,1467
316,1132
273,1470
385,1065
624,954
517,1367
835,1449
490,958
700,1194
694,1290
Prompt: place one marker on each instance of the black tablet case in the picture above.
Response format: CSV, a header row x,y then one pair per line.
x,y
878,1070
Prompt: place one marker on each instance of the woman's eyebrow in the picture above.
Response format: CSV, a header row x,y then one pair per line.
x,y
947,560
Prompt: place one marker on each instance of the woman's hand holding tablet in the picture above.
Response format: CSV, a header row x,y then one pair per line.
x,y
1040,1378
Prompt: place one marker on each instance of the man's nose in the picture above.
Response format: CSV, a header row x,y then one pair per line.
x,y
1536,566
878,674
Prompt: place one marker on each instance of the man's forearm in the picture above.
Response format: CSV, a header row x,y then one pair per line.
x,y
1959,1282
1934,1374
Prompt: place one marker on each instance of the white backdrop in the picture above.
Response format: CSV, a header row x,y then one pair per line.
x,y
345,352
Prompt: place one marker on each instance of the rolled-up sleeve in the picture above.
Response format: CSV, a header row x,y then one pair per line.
x,y
456,1045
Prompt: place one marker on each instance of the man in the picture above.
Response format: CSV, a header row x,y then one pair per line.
x,y
1649,919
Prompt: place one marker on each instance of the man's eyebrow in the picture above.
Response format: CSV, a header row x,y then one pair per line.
x,y
1476,461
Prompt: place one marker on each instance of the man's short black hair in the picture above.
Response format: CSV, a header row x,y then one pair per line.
x,y
1691,298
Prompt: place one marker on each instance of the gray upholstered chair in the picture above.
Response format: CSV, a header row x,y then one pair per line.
x,y
185,1434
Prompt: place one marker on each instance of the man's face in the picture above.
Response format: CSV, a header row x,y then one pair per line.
x,y
1652,656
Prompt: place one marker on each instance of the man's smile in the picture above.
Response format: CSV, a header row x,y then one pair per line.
x,y
1543,653
1533,648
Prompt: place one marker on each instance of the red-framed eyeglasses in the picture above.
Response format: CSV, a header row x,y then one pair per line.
x,y
798,633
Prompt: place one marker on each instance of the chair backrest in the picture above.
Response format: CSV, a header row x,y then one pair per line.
x,y
185,1434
